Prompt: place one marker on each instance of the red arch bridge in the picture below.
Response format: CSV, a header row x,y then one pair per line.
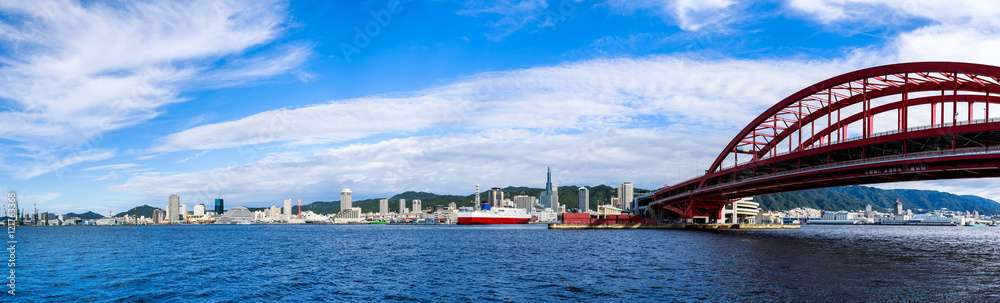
x,y
892,123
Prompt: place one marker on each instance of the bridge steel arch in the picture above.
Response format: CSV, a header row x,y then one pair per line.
x,y
827,135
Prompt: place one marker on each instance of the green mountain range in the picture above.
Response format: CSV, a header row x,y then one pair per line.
x,y
85,216
140,211
857,197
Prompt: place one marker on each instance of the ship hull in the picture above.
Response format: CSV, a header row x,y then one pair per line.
x,y
492,220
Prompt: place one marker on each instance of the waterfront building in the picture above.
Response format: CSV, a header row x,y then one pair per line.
x,y
416,205
173,209
345,199
495,197
199,210
899,208
550,195
402,206
158,216
236,215
275,213
625,196
616,203
742,211
383,206
219,207
525,202
288,208
183,210
583,198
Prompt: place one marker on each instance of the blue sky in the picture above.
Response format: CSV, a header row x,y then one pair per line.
x,y
107,106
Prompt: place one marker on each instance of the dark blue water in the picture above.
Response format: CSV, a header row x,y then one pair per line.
x,y
262,263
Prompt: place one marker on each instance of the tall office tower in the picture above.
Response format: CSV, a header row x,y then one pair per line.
x,y
199,210
219,208
550,195
402,206
899,208
275,212
496,197
477,203
183,210
416,206
157,216
287,210
524,202
345,199
383,206
173,209
625,195
583,196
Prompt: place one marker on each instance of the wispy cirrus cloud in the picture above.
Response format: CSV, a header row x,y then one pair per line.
x,y
77,70
689,15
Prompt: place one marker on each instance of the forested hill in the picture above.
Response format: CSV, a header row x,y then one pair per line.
x,y
857,197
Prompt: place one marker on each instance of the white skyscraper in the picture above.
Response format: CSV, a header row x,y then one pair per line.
x,y
583,196
625,195
383,206
182,210
287,208
477,203
345,199
173,209
416,206
199,210
402,206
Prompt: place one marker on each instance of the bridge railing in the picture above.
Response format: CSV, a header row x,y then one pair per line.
x,y
878,134
928,154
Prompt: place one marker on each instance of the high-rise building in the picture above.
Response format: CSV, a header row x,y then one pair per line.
x,y
383,206
345,199
158,216
219,208
625,195
275,212
183,211
199,210
477,203
616,203
416,206
550,195
583,197
899,208
287,209
173,209
402,206
496,197
525,202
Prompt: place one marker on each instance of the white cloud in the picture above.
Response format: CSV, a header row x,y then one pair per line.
x,y
78,70
689,15
111,167
583,96
56,164
514,14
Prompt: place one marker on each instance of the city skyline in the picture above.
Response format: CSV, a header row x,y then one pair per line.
x,y
109,107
